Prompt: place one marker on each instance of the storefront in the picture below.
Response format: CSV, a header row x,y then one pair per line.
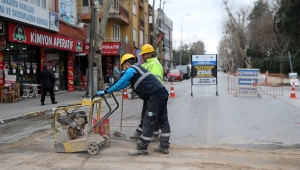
x,y
110,56
27,49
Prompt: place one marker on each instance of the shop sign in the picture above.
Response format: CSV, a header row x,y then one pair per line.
x,y
1,28
110,48
2,42
28,13
1,69
67,11
27,35
87,48
10,79
70,73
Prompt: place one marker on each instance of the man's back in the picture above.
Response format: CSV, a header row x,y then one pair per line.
x,y
154,66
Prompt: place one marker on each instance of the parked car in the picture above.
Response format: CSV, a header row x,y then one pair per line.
x,y
175,74
185,70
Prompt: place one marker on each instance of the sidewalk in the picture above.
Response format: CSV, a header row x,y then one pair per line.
x,y
32,107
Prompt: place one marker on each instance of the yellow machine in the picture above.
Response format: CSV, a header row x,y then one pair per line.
x,y
71,136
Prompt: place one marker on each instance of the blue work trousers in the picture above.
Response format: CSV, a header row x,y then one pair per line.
x,y
140,127
156,113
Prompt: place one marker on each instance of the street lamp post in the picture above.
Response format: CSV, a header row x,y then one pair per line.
x,y
181,40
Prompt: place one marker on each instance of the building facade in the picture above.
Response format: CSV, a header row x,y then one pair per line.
x,y
165,38
127,28
33,33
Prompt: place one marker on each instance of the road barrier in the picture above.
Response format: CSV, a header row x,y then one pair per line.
x,y
172,95
262,84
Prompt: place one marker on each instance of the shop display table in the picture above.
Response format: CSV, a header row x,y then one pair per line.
x,y
35,90
26,91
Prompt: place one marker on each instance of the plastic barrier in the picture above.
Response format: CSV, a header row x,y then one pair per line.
x,y
263,84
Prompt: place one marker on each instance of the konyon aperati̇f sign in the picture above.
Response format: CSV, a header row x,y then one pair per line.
x,y
27,35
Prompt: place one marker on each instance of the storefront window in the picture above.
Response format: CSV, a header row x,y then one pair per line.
x,y
21,60
56,59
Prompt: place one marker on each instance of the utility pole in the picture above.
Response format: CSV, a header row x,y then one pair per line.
x,y
94,14
290,62
181,40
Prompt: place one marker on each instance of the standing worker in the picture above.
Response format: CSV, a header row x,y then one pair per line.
x,y
116,72
48,80
152,65
148,88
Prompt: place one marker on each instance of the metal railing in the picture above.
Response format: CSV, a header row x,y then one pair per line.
x,y
142,23
123,11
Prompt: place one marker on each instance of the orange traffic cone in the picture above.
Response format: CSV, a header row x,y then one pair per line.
x,y
293,93
172,95
125,95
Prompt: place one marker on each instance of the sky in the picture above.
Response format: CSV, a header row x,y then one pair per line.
x,y
204,21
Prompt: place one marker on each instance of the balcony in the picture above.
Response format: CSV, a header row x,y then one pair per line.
x,y
142,24
118,12
141,2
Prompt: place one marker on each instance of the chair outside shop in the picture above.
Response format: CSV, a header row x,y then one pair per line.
x,y
13,93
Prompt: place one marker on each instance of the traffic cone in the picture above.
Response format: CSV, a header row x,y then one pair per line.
x,y
293,93
125,95
172,95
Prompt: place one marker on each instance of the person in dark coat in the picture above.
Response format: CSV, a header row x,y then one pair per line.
x,y
48,80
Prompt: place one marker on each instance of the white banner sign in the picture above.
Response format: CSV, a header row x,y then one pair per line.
x,y
295,81
208,81
28,13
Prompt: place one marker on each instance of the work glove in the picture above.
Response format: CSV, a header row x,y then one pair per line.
x,y
99,93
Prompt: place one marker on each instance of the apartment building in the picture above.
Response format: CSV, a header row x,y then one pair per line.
x,y
35,32
127,27
165,38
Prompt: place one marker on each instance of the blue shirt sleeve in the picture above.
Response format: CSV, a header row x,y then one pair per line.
x,y
123,82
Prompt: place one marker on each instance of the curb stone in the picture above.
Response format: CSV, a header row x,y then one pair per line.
x,y
47,112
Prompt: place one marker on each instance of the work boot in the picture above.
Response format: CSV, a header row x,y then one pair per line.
x,y
136,135
138,152
161,150
155,137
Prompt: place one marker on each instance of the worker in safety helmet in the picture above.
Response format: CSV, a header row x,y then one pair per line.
x,y
149,89
152,65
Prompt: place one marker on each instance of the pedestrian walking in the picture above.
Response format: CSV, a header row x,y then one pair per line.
x,y
152,65
48,80
148,88
116,72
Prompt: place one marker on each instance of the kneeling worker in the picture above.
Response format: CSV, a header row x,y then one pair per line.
x,y
149,89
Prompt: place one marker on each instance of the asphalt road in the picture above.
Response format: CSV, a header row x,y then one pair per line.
x,y
208,120
207,132
204,120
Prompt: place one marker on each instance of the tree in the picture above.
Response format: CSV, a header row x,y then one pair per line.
x,y
261,34
289,20
197,47
237,27
97,40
